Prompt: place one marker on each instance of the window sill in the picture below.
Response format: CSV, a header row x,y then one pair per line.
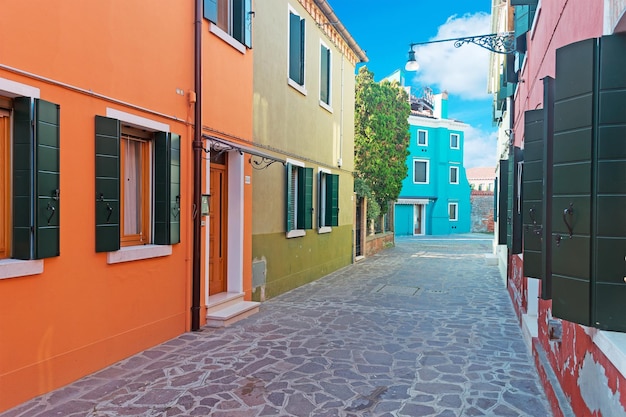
x,y
325,229
135,253
214,29
299,88
296,233
613,345
326,107
13,268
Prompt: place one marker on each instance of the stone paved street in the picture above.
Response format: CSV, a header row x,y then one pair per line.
x,y
422,329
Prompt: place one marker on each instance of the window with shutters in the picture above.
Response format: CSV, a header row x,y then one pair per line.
x,y
325,76
454,141
422,137
137,185
454,175
232,18
299,201
296,50
420,171
328,207
29,180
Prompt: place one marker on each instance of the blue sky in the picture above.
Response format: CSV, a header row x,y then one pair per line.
x,y
385,30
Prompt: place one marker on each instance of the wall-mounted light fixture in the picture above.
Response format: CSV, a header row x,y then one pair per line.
x,y
500,43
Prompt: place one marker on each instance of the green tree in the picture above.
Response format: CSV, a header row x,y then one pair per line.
x,y
381,138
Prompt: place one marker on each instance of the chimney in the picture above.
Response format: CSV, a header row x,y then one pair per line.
x,y
441,105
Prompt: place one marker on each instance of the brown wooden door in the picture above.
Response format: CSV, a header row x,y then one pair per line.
x,y
217,230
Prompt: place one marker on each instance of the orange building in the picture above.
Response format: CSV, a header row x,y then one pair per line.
x,y
102,171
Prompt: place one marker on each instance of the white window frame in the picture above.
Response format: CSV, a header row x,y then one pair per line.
x,y
321,187
458,141
454,168
427,161
425,137
295,232
456,211
300,88
327,106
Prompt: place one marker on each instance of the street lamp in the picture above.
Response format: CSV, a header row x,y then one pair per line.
x,y
500,43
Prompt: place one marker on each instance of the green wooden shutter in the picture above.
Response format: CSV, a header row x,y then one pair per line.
x,y
532,212
503,201
210,10
248,14
296,35
332,200
289,198
609,237
547,169
167,189
35,179
107,142
47,183
305,198
514,212
572,180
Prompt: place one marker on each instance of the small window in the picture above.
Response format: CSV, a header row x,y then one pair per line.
x,y
299,199
420,171
454,141
325,75
296,48
454,175
328,209
135,188
422,137
234,17
453,211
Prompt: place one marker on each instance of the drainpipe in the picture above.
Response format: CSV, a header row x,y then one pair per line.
x,y
197,173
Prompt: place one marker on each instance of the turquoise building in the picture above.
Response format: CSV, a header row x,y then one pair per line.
x,y
435,196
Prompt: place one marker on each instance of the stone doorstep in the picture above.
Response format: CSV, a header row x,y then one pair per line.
x,y
230,312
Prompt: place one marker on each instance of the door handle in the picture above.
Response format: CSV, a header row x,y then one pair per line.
x,y
53,210
569,212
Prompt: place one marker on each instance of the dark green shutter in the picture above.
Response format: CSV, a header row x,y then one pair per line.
x,y
572,179
296,48
107,142
547,169
332,200
514,212
167,189
210,10
325,74
36,167
247,19
609,243
503,201
289,198
532,212
305,198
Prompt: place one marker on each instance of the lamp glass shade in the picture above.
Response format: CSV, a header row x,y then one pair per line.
x,y
411,64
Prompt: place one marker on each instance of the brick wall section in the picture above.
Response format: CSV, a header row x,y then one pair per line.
x,y
481,211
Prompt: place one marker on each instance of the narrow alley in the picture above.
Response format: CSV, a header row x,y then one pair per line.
x,y
425,328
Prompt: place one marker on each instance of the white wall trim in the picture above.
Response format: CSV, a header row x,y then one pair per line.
x,y
13,268
135,253
15,89
137,121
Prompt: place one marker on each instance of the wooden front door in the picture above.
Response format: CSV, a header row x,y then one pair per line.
x,y
217,229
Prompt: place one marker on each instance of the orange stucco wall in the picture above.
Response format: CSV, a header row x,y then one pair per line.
x,y
81,313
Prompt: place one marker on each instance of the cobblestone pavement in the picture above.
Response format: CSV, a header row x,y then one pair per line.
x,y
422,329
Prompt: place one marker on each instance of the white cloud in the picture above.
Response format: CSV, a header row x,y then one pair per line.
x,y
461,71
479,148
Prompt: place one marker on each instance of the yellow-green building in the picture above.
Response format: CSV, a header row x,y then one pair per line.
x,y
304,87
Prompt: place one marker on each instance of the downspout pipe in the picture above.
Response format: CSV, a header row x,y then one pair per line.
x,y
197,173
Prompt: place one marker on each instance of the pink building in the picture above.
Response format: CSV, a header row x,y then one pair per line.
x,y
560,102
